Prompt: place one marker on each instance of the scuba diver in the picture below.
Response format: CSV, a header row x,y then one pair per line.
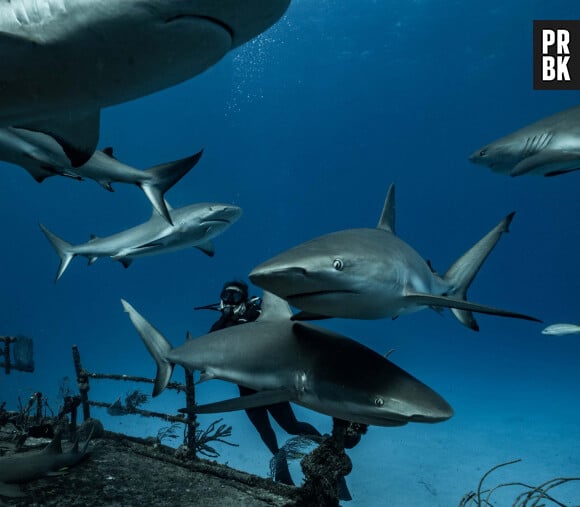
x,y
237,308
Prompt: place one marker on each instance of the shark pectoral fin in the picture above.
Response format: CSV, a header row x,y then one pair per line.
x,y
543,158
77,133
106,185
204,377
126,262
309,316
207,248
560,172
12,41
40,174
446,302
11,490
259,399
152,244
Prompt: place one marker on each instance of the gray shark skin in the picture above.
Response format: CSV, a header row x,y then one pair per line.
x,y
371,274
193,226
43,157
64,60
548,147
294,361
24,467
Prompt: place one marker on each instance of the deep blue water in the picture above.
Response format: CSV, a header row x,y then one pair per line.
x,y
305,128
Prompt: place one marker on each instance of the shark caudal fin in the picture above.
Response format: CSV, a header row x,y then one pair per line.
x,y
156,344
161,178
460,275
63,248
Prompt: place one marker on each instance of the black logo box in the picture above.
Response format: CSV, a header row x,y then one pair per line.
x,y
573,28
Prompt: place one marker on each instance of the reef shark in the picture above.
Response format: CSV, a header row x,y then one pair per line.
x,y
298,362
42,157
24,467
65,60
371,274
193,226
548,147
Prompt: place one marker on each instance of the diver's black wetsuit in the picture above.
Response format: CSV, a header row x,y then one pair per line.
x,y
281,412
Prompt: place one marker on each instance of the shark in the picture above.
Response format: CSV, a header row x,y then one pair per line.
x,y
298,362
193,226
19,468
548,147
65,60
42,157
370,273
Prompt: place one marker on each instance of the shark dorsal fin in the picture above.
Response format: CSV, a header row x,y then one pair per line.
x,y
274,308
387,220
108,151
55,446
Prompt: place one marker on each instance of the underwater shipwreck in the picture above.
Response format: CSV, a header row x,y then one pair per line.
x,y
100,467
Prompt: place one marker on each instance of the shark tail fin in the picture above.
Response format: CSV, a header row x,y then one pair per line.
x,y
162,177
156,344
460,275
63,248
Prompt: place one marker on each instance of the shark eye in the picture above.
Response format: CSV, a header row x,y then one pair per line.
x,y
338,264
482,153
379,402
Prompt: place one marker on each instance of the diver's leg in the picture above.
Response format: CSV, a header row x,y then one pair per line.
x,y
284,416
259,418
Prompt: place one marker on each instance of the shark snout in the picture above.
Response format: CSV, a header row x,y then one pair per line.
x,y
277,279
436,410
224,213
476,156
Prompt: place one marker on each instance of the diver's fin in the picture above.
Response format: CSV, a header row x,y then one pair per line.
x,y
207,248
259,399
309,316
446,302
387,220
77,133
343,492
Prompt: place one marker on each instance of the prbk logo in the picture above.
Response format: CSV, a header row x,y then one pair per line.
x,y
557,55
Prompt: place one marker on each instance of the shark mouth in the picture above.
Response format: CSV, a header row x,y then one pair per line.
x,y
213,221
215,21
314,294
